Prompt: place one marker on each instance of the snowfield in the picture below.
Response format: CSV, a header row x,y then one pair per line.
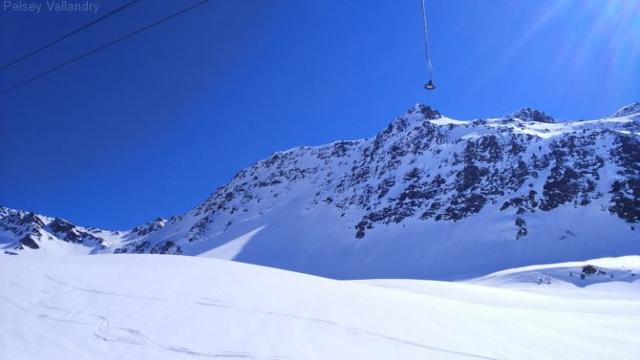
x,y
179,307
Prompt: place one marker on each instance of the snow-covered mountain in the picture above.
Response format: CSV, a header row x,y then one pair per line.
x,y
179,307
427,197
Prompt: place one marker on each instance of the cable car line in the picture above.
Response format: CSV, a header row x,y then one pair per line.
x,y
91,52
45,46
429,85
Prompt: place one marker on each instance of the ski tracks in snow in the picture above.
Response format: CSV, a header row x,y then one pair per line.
x,y
128,336
351,329
105,331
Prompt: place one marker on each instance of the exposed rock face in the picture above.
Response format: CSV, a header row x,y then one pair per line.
x,y
625,190
423,173
630,110
31,229
529,114
148,228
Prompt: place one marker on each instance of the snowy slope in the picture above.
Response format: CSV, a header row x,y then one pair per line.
x,y
93,307
605,278
610,276
427,197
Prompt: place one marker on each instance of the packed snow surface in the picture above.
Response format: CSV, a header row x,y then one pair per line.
x,y
177,307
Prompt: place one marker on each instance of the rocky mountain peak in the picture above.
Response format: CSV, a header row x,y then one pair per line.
x,y
4,211
428,112
404,202
529,114
631,109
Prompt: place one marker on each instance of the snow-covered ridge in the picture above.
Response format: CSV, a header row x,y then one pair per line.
x,y
491,193
629,110
568,275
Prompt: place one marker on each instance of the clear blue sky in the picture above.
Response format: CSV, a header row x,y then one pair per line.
x,y
151,126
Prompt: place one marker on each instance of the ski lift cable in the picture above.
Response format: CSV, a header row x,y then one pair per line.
x,y
91,52
48,45
426,40
429,85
